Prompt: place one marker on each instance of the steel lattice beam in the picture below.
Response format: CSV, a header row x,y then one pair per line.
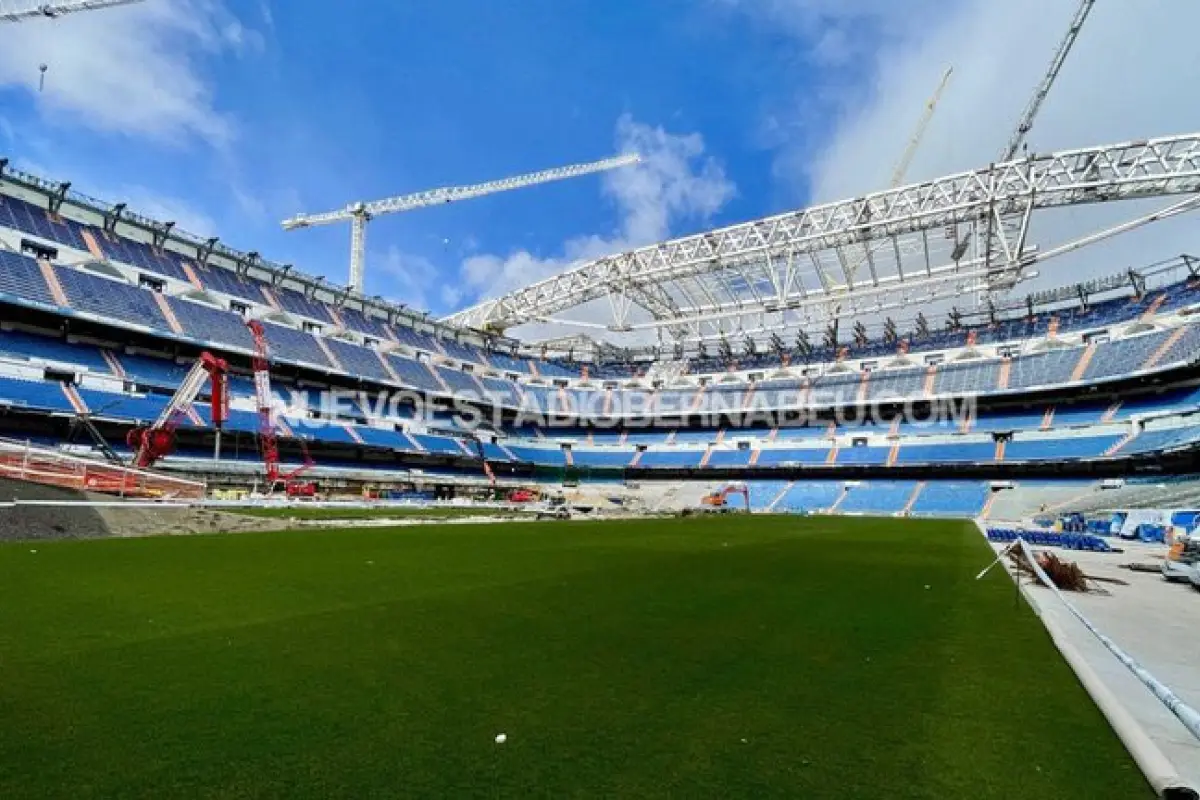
x,y
1154,168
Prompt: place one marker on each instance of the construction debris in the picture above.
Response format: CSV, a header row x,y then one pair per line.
x,y
1066,575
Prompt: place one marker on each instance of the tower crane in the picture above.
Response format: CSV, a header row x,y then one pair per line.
x,y
23,11
1025,124
901,170
1009,226
906,160
359,214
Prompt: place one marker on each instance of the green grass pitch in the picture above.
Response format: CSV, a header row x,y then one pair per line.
x,y
723,657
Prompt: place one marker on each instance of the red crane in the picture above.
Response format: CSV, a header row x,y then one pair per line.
x,y
158,440
267,444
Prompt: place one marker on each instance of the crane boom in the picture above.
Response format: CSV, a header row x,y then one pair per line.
x,y
1025,124
359,214
17,12
911,151
1009,226
901,170
158,440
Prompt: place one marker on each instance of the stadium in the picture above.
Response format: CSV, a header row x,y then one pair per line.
x,y
728,536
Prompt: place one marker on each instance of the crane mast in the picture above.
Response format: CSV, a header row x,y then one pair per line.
x,y
268,444
359,214
18,12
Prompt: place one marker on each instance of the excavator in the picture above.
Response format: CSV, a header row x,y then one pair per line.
x,y
719,501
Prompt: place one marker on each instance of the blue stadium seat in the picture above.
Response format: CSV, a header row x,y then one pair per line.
x,y
1123,356
295,302
211,325
541,456
149,371
356,320
219,279
730,457
442,445
21,277
878,497
414,374
22,393
1058,448
777,456
21,345
951,499
863,455
676,459
289,344
509,363
109,298
810,496
112,405
358,360
601,459
947,453
460,383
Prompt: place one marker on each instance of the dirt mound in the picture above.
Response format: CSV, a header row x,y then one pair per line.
x,y
38,522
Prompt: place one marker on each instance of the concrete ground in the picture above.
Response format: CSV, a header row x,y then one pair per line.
x,y
1155,622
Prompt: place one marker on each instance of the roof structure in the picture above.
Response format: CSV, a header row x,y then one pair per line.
x,y
913,244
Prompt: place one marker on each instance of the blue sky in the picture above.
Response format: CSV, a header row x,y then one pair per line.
x,y
229,115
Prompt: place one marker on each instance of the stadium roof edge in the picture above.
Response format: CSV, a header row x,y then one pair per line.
x,y
58,194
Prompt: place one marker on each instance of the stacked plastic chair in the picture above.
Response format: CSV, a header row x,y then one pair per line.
x,y
1066,541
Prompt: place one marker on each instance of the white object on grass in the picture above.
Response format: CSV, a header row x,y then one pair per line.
x,y
501,738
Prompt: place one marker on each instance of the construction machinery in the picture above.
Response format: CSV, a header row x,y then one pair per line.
x,y
1025,123
914,143
17,11
158,440
906,159
1010,228
719,500
359,214
268,444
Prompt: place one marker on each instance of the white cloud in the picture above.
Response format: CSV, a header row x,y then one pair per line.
x,y
157,206
1129,77
411,278
677,181
133,70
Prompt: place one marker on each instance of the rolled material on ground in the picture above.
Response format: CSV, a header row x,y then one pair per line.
x,y
1158,770
1182,711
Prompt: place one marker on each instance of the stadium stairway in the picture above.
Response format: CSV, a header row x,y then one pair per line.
x,y
114,364
912,500
74,399
1154,306
782,493
1085,359
329,354
988,504
1116,448
1164,348
92,245
168,313
53,283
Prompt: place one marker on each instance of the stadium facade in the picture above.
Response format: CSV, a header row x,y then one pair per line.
x,y
102,312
